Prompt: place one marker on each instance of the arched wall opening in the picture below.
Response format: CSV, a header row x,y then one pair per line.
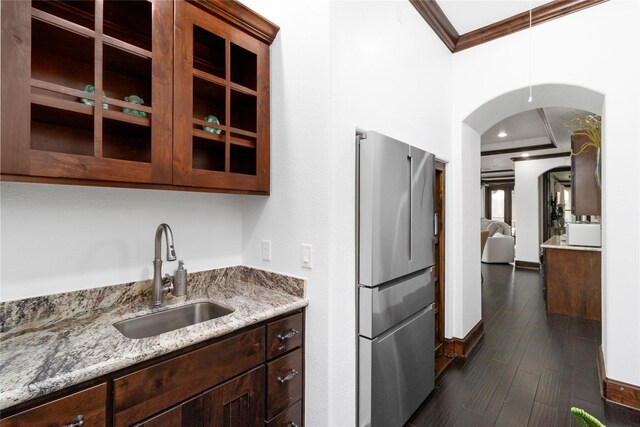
x,y
463,265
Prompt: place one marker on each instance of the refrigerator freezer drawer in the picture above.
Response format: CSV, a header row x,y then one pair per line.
x,y
387,305
396,372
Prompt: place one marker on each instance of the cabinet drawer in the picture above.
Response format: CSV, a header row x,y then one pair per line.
x,y
290,417
90,404
284,382
284,335
151,390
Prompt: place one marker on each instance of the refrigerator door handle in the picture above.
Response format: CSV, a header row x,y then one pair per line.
x,y
410,158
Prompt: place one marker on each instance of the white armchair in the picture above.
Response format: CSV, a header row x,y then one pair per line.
x,y
499,249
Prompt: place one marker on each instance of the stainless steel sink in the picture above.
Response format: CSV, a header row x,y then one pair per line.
x,y
170,320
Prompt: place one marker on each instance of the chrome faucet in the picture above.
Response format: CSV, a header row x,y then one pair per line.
x,y
160,284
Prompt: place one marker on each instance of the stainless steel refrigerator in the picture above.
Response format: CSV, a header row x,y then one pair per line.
x,y
395,279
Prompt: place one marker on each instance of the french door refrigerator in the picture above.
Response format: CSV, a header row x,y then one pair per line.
x,y
395,279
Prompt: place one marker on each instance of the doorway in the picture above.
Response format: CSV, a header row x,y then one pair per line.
x,y
442,361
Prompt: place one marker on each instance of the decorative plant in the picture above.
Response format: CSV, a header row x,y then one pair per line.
x,y
590,126
585,419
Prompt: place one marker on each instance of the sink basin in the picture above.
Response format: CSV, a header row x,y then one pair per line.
x,y
169,320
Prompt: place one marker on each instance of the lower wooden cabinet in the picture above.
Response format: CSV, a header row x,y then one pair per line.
x,y
231,382
236,403
284,382
87,408
290,417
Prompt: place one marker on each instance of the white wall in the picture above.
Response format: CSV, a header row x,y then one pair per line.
x,y
57,238
384,70
594,48
528,205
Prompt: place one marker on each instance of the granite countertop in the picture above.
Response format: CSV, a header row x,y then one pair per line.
x,y
559,242
49,343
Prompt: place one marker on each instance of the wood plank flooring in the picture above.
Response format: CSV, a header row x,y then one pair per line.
x,y
531,368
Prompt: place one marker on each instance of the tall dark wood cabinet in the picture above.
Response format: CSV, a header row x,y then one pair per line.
x,y
118,93
585,190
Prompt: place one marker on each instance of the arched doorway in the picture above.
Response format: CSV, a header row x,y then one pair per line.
x,y
464,311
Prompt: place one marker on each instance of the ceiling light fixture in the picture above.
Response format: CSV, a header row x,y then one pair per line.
x,y
502,134
524,155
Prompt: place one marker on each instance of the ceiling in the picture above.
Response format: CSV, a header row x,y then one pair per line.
x,y
538,132
462,24
469,15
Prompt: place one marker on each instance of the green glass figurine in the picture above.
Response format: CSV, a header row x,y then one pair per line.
x,y
215,121
92,89
134,99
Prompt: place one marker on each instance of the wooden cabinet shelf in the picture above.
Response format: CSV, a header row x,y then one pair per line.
x,y
127,48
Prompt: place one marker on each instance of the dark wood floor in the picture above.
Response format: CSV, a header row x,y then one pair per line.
x,y
531,368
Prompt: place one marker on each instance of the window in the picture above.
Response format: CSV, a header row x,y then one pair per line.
x,y
497,205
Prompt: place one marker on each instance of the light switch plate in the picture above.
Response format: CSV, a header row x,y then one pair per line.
x,y
266,250
306,259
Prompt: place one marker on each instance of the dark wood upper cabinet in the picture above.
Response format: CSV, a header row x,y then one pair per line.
x,y
585,189
51,51
185,62
221,72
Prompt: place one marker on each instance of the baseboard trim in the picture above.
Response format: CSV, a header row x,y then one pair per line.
x,y
528,265
617,392
457,347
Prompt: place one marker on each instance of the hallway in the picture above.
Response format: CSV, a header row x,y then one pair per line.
x,y
529,370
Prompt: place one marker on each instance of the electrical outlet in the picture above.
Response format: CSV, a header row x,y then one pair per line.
x,y
306,258
266,250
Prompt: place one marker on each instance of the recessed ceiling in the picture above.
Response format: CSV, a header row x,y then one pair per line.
x,y
468,15
527,132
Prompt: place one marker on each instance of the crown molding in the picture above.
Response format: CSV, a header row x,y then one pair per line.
x,y
435,17
241,16
438,21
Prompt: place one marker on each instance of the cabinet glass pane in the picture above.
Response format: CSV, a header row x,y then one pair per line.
x,y
76,11
126,141
243,111
208,154
208,52
129,21
243,67
208,100
61,57
61,131
125,74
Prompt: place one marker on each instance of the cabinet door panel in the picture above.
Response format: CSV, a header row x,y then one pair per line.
x,y
188,414
52,126
237,403
90,404
221,72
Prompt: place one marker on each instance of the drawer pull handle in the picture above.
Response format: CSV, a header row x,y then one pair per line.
x,y
290,334
292,424
289,376
77,421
